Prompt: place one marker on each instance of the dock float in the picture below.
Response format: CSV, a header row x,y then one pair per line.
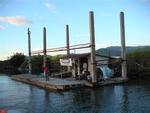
x,y
62,84
53,83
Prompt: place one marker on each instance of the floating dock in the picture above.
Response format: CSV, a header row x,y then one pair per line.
x,y
61,84
53,83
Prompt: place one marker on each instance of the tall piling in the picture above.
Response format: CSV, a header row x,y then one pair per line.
x,y
44,49
29,52
67,40
92,43
67,43
123,47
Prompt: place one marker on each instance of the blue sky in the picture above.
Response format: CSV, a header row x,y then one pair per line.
x,y
17,15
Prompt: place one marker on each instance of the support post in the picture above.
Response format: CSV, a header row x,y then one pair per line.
x,y
44,49
29,52
67,40
92,42
78,68
123,48
67,43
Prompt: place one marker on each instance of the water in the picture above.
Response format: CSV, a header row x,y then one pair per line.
x,y
18,97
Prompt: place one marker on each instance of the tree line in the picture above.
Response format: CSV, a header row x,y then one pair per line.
x,y
18,63
138,63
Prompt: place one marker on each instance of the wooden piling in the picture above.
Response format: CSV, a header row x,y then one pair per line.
x,y
67,43
29,52
92,42
44,48
123,48
67,40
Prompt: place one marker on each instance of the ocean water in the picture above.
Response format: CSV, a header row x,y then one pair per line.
x,y
132,97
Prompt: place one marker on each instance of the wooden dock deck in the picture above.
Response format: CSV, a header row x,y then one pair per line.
x,y
53,83
61,84
117,80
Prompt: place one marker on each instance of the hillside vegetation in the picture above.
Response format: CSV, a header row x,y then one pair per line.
x,y
18,63
116,50
138,62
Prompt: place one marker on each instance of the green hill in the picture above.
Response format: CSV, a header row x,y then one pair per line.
x,y
116,50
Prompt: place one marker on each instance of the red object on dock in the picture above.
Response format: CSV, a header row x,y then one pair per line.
x,y
3,111
46,70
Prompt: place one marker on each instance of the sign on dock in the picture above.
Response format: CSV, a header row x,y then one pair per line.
x,y
66,62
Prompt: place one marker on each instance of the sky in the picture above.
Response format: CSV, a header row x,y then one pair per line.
x,y
17,15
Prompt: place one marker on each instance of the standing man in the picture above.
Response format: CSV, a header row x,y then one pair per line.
x,y
46,72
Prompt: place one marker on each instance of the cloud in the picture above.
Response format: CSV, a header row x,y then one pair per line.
x,y
15,20
2,27
50,7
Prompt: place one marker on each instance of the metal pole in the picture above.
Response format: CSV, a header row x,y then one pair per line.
x,y
123,48
92,42
29,52
67,43
44,49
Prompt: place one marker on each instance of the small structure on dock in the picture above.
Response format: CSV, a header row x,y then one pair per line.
x,y
81,65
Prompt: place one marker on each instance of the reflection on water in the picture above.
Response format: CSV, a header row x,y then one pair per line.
x,y
18,97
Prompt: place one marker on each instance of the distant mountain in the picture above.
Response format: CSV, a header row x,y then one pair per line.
x,y
116,50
